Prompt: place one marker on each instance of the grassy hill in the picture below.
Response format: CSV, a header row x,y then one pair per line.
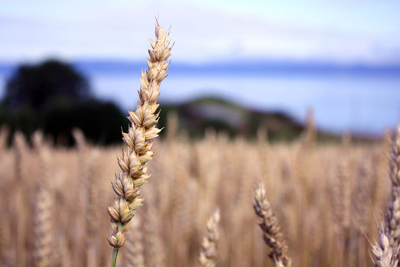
x,y
200,114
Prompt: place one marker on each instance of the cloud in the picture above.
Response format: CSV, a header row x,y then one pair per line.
x,y
119,29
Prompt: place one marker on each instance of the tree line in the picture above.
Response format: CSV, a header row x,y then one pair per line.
x,y
55,97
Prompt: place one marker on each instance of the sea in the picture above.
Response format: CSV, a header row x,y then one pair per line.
x,y
342,102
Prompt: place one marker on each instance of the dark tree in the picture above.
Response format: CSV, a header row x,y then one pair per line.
x,y
55,98
38,86
100,121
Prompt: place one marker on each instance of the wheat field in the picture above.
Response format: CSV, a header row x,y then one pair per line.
x,y
317,203
54,201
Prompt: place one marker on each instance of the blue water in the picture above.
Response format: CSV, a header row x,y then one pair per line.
x,y
341,103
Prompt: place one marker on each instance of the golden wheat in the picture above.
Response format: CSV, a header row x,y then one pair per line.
x,y
269,224
385,255
208,254
139,140
392,218
211,172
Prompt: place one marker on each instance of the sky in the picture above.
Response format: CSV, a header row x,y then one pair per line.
x,y
345,32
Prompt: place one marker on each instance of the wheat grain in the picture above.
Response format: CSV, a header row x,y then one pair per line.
x,y
386,256
208,254
269,224
139,140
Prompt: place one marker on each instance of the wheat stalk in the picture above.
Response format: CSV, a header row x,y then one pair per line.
x,y
80,199
154,248
139,139
134,254
20,152
7,253
208,253
269,224
308,137
392,219
44,203
42,223
91,202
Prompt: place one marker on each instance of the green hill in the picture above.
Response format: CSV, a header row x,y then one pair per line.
x,y
200,114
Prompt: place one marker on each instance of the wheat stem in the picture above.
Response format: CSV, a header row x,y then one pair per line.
x,y
114,258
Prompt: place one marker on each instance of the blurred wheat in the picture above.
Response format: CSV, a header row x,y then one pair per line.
x,y
208,254
215,171
271,230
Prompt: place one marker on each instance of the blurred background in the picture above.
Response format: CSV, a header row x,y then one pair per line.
x,y
280,81
235,65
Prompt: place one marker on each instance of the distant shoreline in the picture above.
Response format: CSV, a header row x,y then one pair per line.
x,y
113,66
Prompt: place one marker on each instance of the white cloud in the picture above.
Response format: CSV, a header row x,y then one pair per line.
x,y
76,29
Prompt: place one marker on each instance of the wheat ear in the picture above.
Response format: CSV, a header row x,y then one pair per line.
x,y
208,253
385,255
154,248
42,227
134,255
269,224
392,219
139,139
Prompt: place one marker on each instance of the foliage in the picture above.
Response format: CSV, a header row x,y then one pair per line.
x,y
55,97
37,86
100,121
